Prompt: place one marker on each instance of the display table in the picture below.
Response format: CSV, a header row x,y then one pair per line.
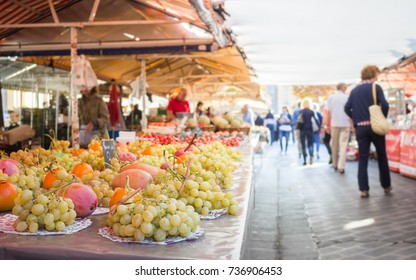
x,y
225,237
393,149
408,153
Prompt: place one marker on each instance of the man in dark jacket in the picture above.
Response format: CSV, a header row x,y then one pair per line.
x,y
359,101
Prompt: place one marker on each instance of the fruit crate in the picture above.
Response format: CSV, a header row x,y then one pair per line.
x,y
245,130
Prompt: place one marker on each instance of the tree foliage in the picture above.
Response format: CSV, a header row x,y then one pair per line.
x,y
313,91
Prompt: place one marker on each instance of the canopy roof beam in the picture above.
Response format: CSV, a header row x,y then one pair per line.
x,y
94,10
53,11
104,45
93,23
25,7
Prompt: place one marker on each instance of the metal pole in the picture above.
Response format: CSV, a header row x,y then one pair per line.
x,y
31,110
73,93
57,113
142,91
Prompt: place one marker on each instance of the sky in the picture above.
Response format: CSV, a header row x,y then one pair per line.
x,y
296,42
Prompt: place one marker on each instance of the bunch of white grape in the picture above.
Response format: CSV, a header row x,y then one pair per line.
x,y
153,219
202,193
93,158
28,178
103,191
67,161
60,145
214,158
44,211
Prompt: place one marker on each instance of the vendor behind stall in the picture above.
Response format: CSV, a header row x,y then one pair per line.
x,y
93,116
178,104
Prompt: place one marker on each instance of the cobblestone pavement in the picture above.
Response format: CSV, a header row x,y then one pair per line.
x,y
311,212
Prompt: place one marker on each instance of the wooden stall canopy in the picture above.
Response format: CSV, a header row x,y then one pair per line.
x,y
401,75
179,48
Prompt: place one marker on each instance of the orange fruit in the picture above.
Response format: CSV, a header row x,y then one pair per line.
x,y
8,193
82,169
148,151
50,178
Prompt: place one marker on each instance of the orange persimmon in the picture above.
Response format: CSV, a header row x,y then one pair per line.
x,y
8,192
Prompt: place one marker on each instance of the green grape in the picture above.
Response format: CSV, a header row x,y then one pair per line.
x,y
175,220
38,209
28,205
205,211
50,227
233,209
63,207
125,219
225,202
21,226
137,220
129,230
173,231
116,229
122,209
138,235
33,227
42,199
17,209
59,226
147,217
146,228
184,230
164,224
159,235
153,210
26,195
198,202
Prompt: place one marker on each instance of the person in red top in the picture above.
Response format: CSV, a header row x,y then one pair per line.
x,y
179,104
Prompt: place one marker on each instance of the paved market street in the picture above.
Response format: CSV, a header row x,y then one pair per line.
x,y
312,212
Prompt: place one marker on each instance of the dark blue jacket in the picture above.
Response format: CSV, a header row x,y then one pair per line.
x,y
360,99
307,115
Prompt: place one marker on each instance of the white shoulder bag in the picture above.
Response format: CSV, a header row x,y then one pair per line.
x,y
379,123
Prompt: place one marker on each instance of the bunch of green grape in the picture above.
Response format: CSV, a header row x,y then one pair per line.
x,y
200,192
93,158
28,178
150,218
42,211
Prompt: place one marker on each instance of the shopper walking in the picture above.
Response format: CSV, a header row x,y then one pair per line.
x,y
270,122
357,107
285,128
296,129
326,124
306,130
340,127
317,133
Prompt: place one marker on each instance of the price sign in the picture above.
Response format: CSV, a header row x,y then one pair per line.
x,y
109,150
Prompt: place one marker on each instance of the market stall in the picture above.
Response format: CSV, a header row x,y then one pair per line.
x,y
224,238
400,85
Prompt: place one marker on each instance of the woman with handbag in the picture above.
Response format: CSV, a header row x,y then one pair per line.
x,y
362,100
305,127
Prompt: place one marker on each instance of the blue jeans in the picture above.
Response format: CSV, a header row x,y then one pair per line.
x,y
286,135
271,128
317,140
306,139
365,136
